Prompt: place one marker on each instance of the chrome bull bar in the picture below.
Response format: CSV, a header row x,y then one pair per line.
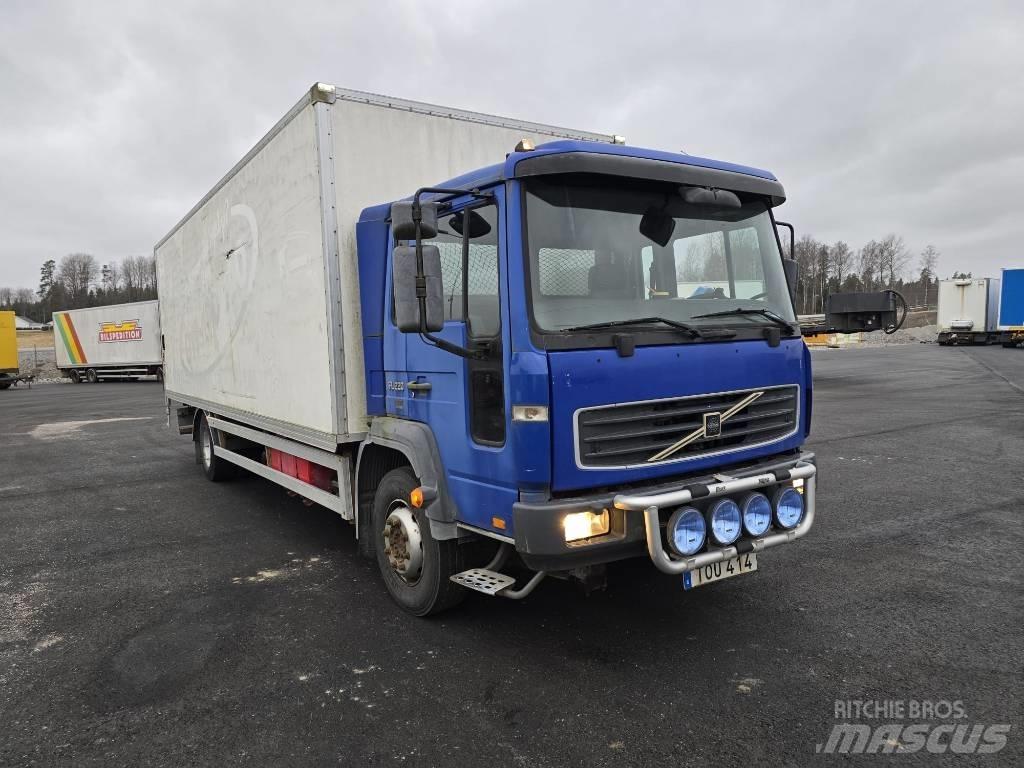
x,y
668,563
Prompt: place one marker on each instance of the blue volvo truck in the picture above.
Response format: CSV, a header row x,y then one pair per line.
x,y
570,352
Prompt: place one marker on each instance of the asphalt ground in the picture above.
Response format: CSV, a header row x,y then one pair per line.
x,y
149,617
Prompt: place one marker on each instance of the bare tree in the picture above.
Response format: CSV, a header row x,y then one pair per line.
x,y
149,271
927,263
808,254
6,297
841,261
868,263
132,277
893,258
77,273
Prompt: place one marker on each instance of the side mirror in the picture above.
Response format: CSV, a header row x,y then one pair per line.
x,y
407,300
403,225
792,269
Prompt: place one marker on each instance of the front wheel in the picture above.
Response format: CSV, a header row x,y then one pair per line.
x,y
91,376
416,568
75,377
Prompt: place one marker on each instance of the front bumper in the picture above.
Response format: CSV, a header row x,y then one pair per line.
x,y
636,524
650,505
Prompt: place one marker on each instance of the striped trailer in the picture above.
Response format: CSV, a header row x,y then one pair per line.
x,y
117,342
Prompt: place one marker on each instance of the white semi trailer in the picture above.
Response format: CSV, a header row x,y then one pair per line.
x,y
116,342
968,311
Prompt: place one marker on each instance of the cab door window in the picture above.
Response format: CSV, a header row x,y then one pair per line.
x,y
471,294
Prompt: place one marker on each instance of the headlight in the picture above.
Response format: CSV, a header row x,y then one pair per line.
x,y
789,508
724,516
757,514
686,531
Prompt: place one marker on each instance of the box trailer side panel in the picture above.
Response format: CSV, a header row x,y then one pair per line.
x,y
1011,300
8,344
115,335
244,293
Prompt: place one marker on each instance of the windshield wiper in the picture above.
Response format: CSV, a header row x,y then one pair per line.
x,y
693,332
776,318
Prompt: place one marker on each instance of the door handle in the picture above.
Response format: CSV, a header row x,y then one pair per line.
x,y
419,386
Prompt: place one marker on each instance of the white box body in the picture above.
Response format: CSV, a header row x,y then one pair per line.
x,y
259,283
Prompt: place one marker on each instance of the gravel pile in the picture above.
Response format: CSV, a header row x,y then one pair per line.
x,y
41,363
924,333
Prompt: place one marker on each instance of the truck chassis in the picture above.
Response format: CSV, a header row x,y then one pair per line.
x,y
97,373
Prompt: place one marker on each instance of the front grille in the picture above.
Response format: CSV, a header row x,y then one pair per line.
x,y
632,433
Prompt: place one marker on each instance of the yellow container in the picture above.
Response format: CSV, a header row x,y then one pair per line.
x,y
8,344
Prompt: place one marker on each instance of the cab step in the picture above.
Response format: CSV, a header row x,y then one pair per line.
x,y
483,580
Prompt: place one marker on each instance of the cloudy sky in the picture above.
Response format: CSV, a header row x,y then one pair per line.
x,y
906,117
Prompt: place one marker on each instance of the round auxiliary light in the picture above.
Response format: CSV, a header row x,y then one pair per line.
x,y
789,508
725,518
686,531
757,514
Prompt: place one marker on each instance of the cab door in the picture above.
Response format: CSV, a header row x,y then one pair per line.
x,y
465,400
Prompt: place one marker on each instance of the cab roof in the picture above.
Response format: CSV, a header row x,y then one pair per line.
x,y
499,172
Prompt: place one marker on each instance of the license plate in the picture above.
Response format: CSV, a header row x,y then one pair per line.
x,y
746,563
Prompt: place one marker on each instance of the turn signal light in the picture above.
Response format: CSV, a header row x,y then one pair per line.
x,y
416,498
583,525
529,413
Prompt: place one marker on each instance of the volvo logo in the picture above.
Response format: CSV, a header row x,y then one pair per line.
x,y
709,429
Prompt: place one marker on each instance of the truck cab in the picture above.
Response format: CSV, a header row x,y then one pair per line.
x,y
593,351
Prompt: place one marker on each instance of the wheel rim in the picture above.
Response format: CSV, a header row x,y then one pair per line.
x,y
403,544
206,444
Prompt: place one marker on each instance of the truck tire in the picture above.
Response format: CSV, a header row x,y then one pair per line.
x,y
5,385
91,376
160,375
415,567
216,470
75,378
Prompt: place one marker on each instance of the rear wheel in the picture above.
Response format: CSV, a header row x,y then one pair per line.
x,y
214,468
91,376
416,568
5,385
160,374
75,377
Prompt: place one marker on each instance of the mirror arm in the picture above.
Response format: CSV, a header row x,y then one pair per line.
x,y
472,354
421,279
792,236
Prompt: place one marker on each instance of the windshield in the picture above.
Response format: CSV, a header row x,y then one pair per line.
x,y
605,249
